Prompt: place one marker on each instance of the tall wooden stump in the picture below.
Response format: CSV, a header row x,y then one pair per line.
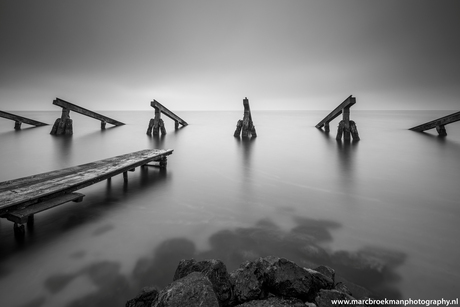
x,y
156,124
347,128
245,127
63,125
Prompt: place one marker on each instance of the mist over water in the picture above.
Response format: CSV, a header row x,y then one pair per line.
x,y
383,211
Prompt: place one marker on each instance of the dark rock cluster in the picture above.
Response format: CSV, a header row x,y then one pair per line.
x,y
265,282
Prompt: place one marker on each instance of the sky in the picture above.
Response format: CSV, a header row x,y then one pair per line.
x,y
209,55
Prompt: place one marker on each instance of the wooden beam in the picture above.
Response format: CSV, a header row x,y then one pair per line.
x,y
349,102
22,215
437,122
73,107
158,106
21,119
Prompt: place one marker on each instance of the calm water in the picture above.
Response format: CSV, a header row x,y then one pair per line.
x,y
384,212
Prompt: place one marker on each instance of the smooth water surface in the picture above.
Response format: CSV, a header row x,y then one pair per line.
x,y
383,211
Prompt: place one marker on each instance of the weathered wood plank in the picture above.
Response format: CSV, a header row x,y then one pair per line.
x,y
21,119
21,215
68,105
158,106
33,189
442,121
350,101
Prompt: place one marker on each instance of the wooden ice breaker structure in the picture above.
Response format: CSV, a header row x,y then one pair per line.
x,y
64,124
22,198
346,126
439,124
18,120
245,127
156,124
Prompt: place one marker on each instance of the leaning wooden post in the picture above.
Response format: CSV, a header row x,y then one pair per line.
x,y
246,126
157,123
439,124
346,126
63,125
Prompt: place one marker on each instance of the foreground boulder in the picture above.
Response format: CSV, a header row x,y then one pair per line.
x,y
193,290
215,271
269,281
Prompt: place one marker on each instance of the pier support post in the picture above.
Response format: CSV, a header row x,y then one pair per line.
x,y
156,124
17,125
163,162
19,230
347,127
246,126
125,177
441,130
103,123
64,124
326,127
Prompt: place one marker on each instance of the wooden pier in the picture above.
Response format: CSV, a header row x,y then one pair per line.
x,y
156,124
439,124
245,127
64,124
21,198
346,126
18,120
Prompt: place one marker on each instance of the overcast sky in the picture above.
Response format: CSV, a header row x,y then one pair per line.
x,y
209,55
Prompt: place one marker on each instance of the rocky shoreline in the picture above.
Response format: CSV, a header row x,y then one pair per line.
x,y
265,282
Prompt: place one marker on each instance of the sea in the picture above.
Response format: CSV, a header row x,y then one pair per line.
x,y
383,212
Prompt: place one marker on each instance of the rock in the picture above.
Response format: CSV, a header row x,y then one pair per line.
x,y
274,302
215,271
325,297
144,299
287,279
193,290
340,286
248,282
327,271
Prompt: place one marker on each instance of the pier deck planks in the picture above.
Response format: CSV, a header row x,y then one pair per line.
x,y
26,191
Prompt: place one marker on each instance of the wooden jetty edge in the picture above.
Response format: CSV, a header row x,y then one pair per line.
x,y
156,124
18,120
64,124
346,126
439,124
21,198
245,127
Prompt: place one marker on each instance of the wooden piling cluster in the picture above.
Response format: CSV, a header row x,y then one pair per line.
x,y
64,125
18,120
22,198
156,124
346,126
439,124
245,127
